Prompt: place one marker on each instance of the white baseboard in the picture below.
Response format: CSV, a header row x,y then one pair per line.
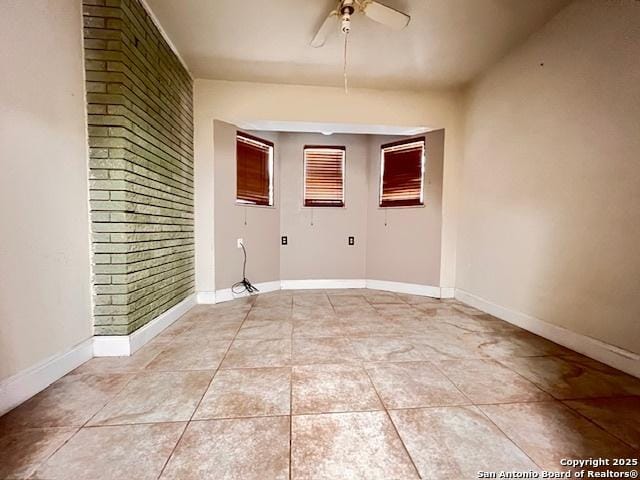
x,y
409,288
322,284
226,294
25,384
611,355
125,345
206,298
447,292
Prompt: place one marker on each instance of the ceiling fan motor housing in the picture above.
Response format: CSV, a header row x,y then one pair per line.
x,y
346,10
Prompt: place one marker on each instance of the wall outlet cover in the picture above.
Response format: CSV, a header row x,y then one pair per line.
x,y
352,240
284,240
240,242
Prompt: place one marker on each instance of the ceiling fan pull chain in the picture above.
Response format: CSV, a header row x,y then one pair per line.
x,y
346,80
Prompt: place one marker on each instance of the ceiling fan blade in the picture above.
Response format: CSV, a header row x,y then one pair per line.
x,y
324,31
386,15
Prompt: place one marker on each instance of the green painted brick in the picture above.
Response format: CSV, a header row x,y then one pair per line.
x,y
140,125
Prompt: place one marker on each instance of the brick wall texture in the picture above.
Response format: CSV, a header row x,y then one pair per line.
x,y
140,122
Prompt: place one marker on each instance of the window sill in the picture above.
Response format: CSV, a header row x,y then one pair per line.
x,y
249,205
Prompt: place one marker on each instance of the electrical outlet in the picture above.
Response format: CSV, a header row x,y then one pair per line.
x,y
240,243
283,240
352,240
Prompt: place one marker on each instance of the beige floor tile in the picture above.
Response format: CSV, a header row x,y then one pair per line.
x,y
69,402
178,327
622,380
247,392
313,314
383,298
318,328
565,379
374,325
270,313
346,291
387,349
397,310
265,329
350,312
549,432
307,350
456,443
518,344
155,397
217,313
317,300
441,345
469,310
347,300
132,364
361,445
618,416
113,453
465,324
332,388
418,299
274,299
413,384
487,381
247,449
22,451
259,353
191,354
436,310
210,330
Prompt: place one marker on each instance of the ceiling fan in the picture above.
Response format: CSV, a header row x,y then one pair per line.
x,y
346,8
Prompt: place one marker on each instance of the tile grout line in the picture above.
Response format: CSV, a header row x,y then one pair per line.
x,y
84,425
291,400
477,407
166,463
593,422
395,428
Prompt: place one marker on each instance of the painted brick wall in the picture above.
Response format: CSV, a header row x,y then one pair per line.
x,y
140,121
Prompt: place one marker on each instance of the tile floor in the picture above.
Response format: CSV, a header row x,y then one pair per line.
x,y
350,384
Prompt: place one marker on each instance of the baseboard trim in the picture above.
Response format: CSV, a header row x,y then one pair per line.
x,y
206,298
125,345
447,292
226,294
322,284
611,355
25,384
409,288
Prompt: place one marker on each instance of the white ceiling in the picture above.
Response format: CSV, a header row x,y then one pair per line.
x,y
447,43
330,128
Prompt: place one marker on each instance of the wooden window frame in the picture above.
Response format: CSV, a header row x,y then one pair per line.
x,y
304,174
271,170
421,202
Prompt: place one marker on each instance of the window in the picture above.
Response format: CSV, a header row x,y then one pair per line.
x,y
402,173
324,176
254,181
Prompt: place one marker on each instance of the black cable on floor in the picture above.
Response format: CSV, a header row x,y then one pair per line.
x,y
244,285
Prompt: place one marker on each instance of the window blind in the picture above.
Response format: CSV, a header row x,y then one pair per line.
x,y
402,173
324,176
254,181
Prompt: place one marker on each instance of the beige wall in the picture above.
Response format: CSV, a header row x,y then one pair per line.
x,y
550,221
242,101
321,250
259,227
406,249
44,245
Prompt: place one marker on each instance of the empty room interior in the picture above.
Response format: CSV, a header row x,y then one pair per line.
x,y
287,240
